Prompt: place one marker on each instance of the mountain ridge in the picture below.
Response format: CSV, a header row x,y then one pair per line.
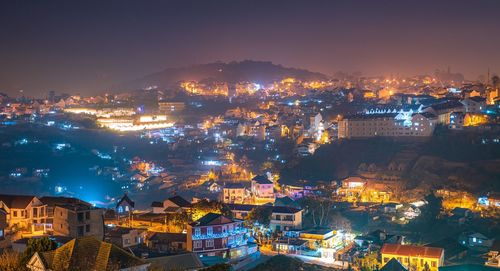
x,y
231,72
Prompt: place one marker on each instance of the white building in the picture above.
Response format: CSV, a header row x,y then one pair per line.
x,y
403,124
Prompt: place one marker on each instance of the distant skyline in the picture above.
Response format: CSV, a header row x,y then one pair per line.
x,y
85,46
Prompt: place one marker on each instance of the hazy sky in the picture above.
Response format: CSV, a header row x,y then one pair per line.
x,y
84,46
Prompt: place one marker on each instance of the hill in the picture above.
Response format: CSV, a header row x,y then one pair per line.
x,y
247,70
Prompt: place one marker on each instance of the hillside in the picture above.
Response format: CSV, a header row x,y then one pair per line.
x,y
247,70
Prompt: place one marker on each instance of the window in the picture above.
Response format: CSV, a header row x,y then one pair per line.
x,y
120,209
127,241
197,244
87,228
197,231
15,214
87,215
126,209
210,231
210,243
433,264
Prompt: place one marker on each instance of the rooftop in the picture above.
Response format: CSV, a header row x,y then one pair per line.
x,y
415,251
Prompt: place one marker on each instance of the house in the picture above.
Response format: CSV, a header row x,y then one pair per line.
x,y
286,218
475,241
262,189
86,253
318,238
125,206
176,204
234,193
474,104
393,265
217,235
3,223
23,211
282,218
494,255
417,256
78,220
124,237
296,192
289,245
167,242
52,202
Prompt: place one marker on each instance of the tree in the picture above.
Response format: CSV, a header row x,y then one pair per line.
x,y
11,260
261,214
319,208
38,245
204,207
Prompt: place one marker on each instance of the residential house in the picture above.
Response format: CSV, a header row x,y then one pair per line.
x,y
474,104
167,242
282,217
262,189
125,206
234,193
217,235
124,237
289,245
176,204
52,202
78,220
413,256
86,253
23,211
286,218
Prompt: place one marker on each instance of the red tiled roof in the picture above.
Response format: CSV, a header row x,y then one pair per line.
x,y
413,251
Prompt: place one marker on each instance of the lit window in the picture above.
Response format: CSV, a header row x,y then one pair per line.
x,y
197,231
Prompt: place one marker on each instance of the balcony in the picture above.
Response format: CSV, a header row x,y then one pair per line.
x,y
220,235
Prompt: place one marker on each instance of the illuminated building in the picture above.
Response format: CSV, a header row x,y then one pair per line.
x,y
403,124
102,113
217,235
171,106
282,217
24,211
413,256
235,193
139,123
125,206
262,189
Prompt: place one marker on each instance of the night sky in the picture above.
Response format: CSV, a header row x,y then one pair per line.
x,y
84,46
